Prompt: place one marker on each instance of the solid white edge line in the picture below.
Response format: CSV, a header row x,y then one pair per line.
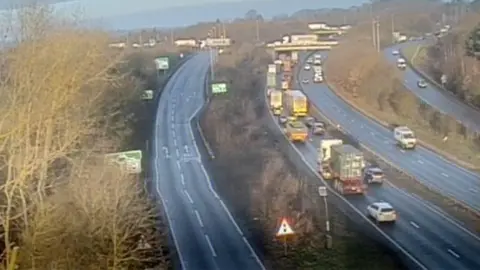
x,y
397,245
422,201
157,186
254,254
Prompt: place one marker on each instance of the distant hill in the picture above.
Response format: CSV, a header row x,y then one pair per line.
x,y
7,4
184,16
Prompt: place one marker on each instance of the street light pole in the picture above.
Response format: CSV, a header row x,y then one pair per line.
x,y
393,27
212,71
322,191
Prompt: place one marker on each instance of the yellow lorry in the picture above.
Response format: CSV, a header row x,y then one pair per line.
x,y
296,131
295,103
276,103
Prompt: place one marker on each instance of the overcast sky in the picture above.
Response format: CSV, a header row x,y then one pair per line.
x,y
108,8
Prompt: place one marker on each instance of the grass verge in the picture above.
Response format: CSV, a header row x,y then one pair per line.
x,y
261,185
391,104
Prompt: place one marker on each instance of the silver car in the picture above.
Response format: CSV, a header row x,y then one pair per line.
x,y
373,175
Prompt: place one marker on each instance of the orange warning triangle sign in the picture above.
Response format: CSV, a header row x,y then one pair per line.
x,y
285,228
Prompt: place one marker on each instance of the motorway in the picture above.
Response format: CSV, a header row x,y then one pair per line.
x,y
426,166
435,97
203,230
428,234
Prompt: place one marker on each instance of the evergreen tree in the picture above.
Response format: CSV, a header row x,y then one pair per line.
x,y
472,44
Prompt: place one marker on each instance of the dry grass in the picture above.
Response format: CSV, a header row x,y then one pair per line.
x,y
264,186
381,95
392,104
448,57
62,108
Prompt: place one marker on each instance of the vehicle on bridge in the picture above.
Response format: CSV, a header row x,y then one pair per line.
x,y
276,102
296,131
344,166
295,103
405,137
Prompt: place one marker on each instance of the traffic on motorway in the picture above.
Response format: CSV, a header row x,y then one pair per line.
x,y
433,239
203,230
423,164
431,94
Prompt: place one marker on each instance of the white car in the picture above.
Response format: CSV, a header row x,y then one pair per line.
x,y
305,81
307,67
395,52
318,79
382,212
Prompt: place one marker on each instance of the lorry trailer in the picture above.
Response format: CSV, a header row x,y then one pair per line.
x,y
276,102
295,103
343,164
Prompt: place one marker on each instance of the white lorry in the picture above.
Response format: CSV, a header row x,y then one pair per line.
x,y
324,154
404,137
401,63
272,69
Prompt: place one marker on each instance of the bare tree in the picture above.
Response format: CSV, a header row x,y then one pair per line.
x,y
61,207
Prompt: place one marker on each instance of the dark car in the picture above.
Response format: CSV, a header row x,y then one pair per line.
x,y
374,174
309,121
318,128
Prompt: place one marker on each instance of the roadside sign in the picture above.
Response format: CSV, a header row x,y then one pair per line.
x,y
129,161
219,88
162,63
285,229
218,42
322,191
147,95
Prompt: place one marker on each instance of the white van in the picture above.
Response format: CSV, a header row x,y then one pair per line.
x,y
405,137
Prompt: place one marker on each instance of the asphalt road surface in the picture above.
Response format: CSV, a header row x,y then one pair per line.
x,y
426,166
435,239
205,234
435,97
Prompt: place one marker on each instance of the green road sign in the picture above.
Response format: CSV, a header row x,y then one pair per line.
x,y
147,95
162,63
219,88
129,161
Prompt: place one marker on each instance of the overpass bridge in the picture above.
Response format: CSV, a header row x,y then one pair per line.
x,y
303,46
